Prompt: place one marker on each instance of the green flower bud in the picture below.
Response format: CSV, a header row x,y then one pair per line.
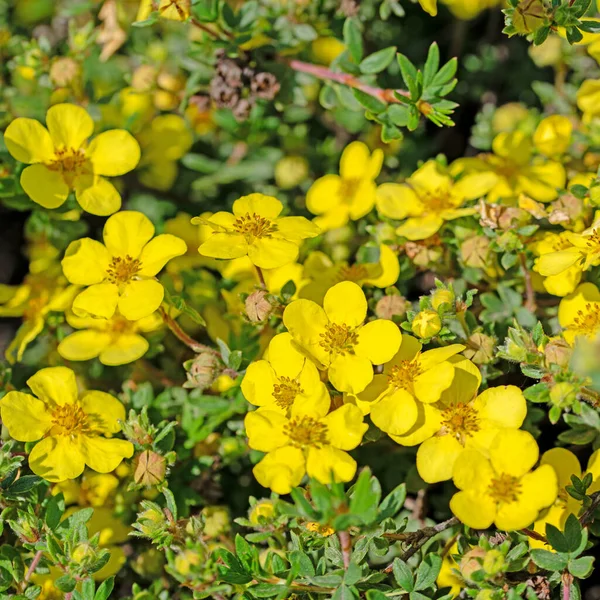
x,y
426,324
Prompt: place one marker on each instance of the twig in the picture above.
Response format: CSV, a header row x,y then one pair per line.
x,y
33,566
214,34
346,545
534,535
588,516
420,537
261,277
530,303
388,96
182,335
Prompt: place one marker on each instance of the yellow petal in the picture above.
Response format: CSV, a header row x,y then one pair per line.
x,y
28,141
466,382
363,199
395,413
114,153
281,470
104,410
127,232
355,161
97,196
124,349
436,457
297,229
328,464
474,510
140,299
428,423
306,321
420,228
105,455
555,263
432,358
390,266
83,345
99,300
27,332
378,341
159,251
472,471
350,373
345,427
564,463
503,405
45,187
259,204
513,451
265,430
25,417
270,253
54,385
430,385
57,458
285,356
397,201
475,185
86,262
345,304
324,194
258,382
69,125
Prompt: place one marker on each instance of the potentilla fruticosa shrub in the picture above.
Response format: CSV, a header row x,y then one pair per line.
x,y
300,299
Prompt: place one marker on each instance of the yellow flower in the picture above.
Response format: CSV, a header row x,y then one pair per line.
x,y
256,230
553,135
284,378
401,397
33,301
121,272
163,142
501,489
429,6
174,10
308,441
579,313
61,159
349,195
429,198
449,573
469,9
71,427
322,273
337,339
583,253
468,423
94,489
562,283
517,171
115,341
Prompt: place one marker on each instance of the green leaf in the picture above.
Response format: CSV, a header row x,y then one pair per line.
x,y
403,575
538,393
431,64
574,35
589,26
301,563
365,497
399,114
581,567
378,61
369,102
54,511
551,561
376,595
508,260
105,589
539,37
580,7
66,583
445,74
409,74
23,485
556,539
353,38
428,571
393,502
171,504
573,532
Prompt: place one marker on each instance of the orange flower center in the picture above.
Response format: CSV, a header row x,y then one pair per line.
x,y
70,419
70,162
460,420
122,270
587,321
35,306
349,188
505,488
403,375
305,432
437,200
253,226
119,325
285,391
338,339
354,273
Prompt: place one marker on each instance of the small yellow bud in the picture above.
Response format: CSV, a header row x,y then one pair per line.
x,y
291,171
440,297
83,553
553,135
326,49
494,562
563,394
426,324
529,16
265,509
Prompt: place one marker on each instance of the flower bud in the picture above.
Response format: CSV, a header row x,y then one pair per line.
x,y
494,562
471,562
529,16
326,49
83,553
186,560
262,510
201,371
426,324
440,297
258,307
150,468
558,352
64,71
291,171
216,521
563,394
475,251
151,520
480,348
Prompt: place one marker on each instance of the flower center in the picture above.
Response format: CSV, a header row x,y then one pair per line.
x,y
437,200
587,321
70,162
354,273
285,392
35,306
122,270
403,375
348,189
254,226
305,432
460,420
505,488
562,243
339,339
70,419
593,242
119,325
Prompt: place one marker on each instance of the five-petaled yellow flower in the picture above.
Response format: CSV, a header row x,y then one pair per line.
x,y
285,378
256,230
501,489
350,195
308,441
115,341
61,159
121,272
74,429
430,197
579,313
337,339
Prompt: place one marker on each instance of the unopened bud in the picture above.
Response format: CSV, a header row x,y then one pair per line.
x,y
471,562
440,297
201,371
261,511
558,352
475,251
83,553
494,562
291,171
529,16
426,324
64,71
258,307
480,348
563,394
150,468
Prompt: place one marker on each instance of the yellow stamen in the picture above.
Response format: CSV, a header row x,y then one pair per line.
x,y
306,432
